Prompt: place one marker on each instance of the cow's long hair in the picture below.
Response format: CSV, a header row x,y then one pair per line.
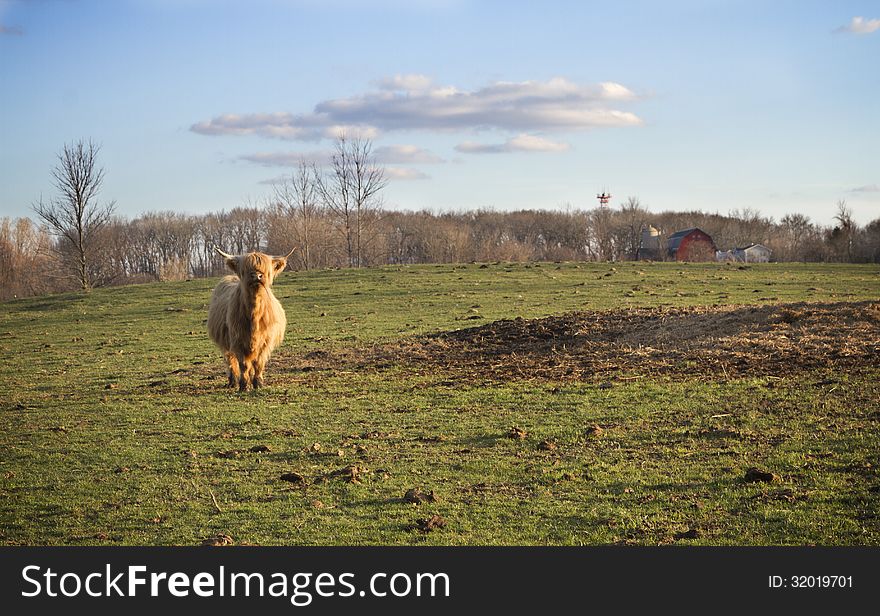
x,y
245,319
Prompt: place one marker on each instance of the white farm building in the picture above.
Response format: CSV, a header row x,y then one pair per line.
x,y
753,253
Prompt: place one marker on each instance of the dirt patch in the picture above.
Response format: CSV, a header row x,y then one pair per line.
x,y
732,341
691,533
547,445
756,475
293,478
594,432
417,496
427,525
349,474
219,540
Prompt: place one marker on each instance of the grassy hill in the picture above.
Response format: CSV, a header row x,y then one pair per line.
x,y
581,423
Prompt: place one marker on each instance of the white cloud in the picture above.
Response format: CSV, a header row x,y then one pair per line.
x,y
405,83
860,25
391,154
615,91
405,154
404,173
520,143
867,188
472,147
281,126
528,105
411,102
278,179
351,131
287,159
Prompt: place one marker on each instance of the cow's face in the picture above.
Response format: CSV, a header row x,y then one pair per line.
x,y
256,269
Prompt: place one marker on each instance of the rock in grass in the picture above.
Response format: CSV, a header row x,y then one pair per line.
x,y
350,474
435,522
756,475
594,432
219,540
691,533
547,445
415,495
293,478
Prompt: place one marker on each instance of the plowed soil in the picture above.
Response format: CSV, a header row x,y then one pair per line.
x,y
775,339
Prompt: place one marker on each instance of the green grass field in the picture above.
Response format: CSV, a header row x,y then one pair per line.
x,y
117,428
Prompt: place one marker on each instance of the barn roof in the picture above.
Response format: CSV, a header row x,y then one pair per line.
x,y
681,234
675,239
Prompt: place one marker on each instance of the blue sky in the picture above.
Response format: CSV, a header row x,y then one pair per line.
x,y
711,105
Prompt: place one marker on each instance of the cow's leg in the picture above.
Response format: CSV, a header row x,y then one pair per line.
x,y
250,375
232,371
259,366
243,367
252,371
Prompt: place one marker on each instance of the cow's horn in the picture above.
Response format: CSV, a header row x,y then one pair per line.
x,y
224,254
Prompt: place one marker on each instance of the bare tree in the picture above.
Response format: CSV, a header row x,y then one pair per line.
x,y
25,257
794,230
350,189
633,218
872,241
843,233
294,204
742,227
602,244
75,215
246,227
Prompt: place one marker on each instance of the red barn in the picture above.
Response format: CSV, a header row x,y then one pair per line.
x,y
691,245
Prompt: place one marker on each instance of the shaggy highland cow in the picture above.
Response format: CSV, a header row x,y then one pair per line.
x,y
245,319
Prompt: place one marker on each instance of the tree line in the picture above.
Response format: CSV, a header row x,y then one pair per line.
x,y
335,216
